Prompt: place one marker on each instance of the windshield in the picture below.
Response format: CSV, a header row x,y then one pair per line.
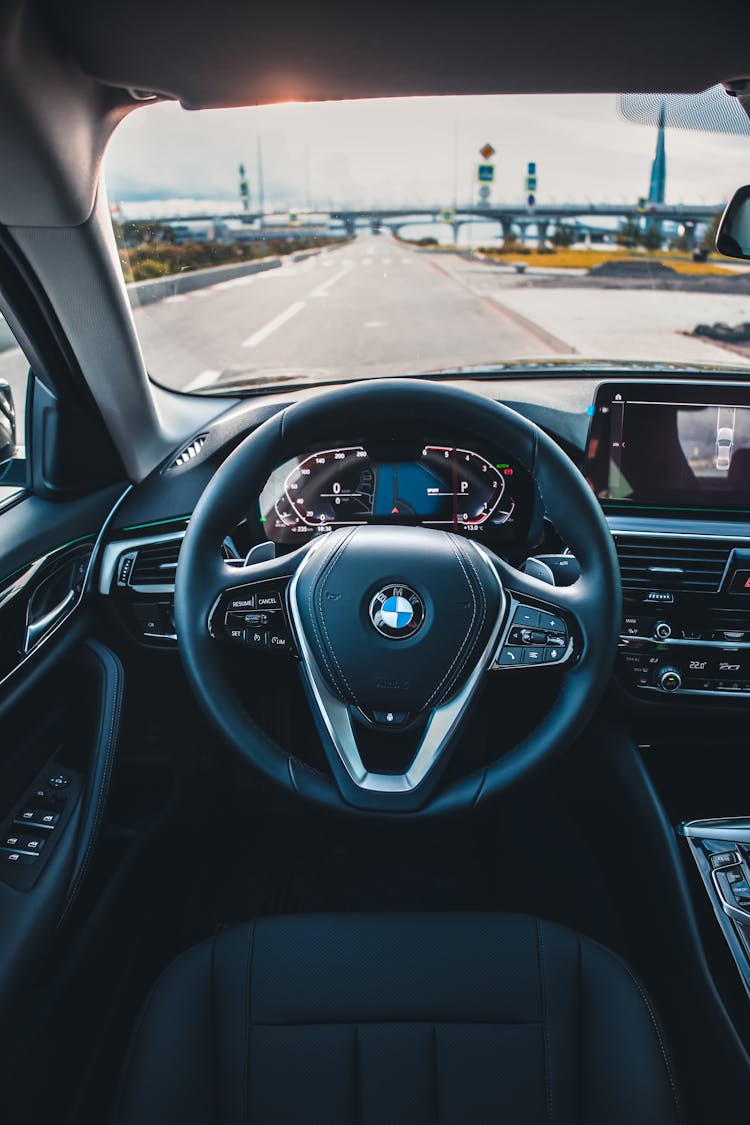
x,y
309,243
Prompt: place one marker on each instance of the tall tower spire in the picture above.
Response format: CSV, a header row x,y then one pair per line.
x,y
658,182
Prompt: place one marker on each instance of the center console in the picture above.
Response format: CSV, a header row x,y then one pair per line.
x,y
670,464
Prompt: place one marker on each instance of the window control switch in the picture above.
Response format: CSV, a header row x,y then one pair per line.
x,y
37,818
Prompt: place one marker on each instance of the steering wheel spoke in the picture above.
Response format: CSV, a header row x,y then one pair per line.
x,y
249,608
344,726
545,625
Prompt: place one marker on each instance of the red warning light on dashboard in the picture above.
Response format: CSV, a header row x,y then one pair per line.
x,y
747,584
507,472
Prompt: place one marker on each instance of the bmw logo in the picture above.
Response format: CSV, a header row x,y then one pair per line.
x,y
397,611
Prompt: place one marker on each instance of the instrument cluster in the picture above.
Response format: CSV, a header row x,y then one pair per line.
x,y
442,486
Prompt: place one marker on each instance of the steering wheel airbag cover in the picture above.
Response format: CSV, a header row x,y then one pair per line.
x,y
457,588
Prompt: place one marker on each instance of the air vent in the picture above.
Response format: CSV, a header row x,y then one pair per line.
x,y
156,563
690,565
189,453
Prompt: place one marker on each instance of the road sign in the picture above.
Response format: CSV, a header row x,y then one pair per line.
x,y
293,219
531,183
530,200
447,215
484,191
487,151
485,173
641,203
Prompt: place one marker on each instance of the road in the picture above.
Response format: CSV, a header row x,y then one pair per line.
x,y
371,306
380,306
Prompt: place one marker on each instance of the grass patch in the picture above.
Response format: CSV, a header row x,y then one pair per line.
x,y
587,259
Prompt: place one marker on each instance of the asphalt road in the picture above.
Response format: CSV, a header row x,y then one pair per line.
x,y
373,306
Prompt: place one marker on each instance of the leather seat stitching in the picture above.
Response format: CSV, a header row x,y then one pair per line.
x,y
545,1020
248,1025
654,1023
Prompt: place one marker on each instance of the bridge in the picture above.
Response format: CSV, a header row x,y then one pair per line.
x,y
508,216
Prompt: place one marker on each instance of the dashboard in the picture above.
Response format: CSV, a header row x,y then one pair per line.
x,y
668,459
448,487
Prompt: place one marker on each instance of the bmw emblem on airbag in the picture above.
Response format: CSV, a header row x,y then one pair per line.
x,y
397,611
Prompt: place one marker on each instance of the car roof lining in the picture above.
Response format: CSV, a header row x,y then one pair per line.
x,y
230,52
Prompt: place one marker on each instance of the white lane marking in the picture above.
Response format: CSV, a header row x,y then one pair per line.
x,y
323,289
205,379
268,329
202,292
367,261
175,299
406,261
375,324
386,261
327,264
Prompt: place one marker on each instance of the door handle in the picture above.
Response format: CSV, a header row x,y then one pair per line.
x,y
35,630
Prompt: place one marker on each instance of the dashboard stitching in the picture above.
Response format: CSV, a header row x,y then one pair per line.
x,y
330,567
457,660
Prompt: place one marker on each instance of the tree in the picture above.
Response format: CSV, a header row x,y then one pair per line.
x,y
652,239
708,242
563,235
628,233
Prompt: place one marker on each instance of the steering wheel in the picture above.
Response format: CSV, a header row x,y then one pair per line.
x,y
396,628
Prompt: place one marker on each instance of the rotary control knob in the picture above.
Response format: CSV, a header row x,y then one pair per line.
x,y
662,630
669,679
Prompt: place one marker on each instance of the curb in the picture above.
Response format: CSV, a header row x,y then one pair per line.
x,y
148,292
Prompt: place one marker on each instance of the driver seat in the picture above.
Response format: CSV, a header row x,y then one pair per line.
x,y
398,1019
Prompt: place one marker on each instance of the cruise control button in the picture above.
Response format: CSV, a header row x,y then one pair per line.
x,y
256,638
533,656
525,615
552,624
510,656
239,605
279,640
268,599
552,655
235,632
256,619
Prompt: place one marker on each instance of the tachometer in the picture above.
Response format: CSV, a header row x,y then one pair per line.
x,y
331,487
465,490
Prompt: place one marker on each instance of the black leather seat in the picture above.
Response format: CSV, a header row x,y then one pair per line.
x,y
391,1019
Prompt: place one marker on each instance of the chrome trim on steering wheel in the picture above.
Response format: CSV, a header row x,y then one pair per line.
x,y
336,715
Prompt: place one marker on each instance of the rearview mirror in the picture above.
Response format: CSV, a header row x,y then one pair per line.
x,y
733,235
7,427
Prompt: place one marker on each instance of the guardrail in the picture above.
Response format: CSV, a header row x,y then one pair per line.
x,y
156,289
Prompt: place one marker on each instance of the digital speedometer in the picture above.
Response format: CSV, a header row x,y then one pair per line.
x,y
442,486
329,488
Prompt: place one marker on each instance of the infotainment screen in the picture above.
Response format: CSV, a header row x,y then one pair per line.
x,y
670,445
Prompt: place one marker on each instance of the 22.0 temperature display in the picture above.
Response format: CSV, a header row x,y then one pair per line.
x,y
444,486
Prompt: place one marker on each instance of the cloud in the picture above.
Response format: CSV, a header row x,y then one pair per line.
x,y
420,150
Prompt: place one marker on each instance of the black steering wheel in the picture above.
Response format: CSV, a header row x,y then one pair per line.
x,y
396,628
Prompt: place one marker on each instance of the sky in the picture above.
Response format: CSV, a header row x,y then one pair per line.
x,y
418,151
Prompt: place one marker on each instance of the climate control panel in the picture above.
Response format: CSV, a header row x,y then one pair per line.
x,y
682,653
